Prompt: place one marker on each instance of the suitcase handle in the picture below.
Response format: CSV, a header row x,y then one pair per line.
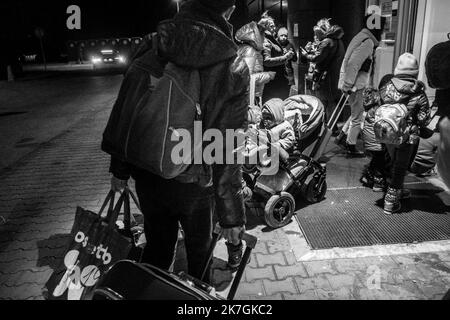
x,y
250,242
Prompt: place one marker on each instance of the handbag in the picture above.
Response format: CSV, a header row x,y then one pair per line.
x,y
96,244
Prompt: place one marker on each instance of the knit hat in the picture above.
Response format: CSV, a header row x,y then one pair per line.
x,y
407,64
218,6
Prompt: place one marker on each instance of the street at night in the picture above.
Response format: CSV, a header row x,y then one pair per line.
x,y
339,228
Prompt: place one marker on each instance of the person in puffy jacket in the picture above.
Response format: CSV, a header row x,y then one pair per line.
x,y
251,40
327,59
275,59
374,176
198,37
404,88
356,75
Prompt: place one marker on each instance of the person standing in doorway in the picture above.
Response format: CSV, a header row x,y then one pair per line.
x,y
283,39
357,75
275,60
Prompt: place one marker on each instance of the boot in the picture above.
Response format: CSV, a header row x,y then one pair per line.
x,y
352,152
392,201
234,255
405,194
379,184
341,139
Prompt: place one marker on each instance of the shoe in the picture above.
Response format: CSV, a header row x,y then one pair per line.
x,y
379,184
352,152
392,201
405,194
341,140
429,173
367,178
235,255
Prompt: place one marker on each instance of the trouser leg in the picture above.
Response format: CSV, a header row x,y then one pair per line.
x,y
356,118
198,226
401,157
161,227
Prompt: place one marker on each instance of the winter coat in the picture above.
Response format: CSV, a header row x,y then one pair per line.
x,y
273,54
288,68
407,90
284,128
444,151
361,48
200,39
251,47
329,55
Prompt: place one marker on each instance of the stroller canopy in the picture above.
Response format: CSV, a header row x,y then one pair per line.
x,y
305,113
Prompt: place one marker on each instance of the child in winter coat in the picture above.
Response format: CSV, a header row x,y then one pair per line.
x,y
273,118
374,176
404,88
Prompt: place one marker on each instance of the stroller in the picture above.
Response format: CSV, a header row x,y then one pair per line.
x,y
302,174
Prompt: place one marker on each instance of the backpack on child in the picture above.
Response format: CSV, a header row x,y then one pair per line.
x,y
391,124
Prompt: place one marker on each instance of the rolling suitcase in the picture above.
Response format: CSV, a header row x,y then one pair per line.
x,y
326,134
128,280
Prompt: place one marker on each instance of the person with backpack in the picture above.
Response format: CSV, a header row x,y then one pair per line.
x,y
327,59
191,75
356,75
374,176
404,113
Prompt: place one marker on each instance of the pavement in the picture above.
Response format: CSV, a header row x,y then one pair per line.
x,y
41,188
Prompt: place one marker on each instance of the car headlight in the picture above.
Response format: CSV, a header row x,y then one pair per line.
x,y
96,60
121,59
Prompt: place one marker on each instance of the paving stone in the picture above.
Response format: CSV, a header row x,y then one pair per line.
x,y
270,259
341,294
290,258
372,294
346,265
277,246
313,283
432,289
261,248
251,289
276,297
284,272
284,286
306,296
407,291
252,274
342,280
319,267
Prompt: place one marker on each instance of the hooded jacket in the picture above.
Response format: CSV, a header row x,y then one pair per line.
x,y
251,47
283,127
361,48
407,90
201,39
329,54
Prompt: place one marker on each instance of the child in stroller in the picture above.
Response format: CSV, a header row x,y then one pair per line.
x,y
294,127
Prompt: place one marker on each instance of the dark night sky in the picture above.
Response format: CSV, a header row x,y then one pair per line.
x,y
99,19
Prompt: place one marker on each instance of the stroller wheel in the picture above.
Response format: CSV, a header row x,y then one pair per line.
x,y
315,193
279,210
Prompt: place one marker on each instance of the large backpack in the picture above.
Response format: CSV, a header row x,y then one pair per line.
x,y
438,66
391,124
165,117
